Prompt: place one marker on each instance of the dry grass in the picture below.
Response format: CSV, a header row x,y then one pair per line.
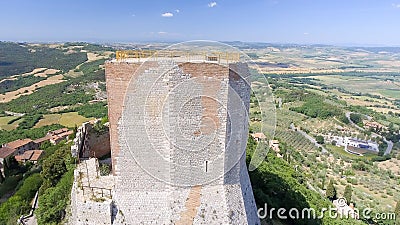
x,y
46,73
29,90
392,165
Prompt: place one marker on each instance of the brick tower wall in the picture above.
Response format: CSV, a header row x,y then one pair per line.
x,y
144,198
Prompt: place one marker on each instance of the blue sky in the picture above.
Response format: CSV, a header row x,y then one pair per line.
x,y
340,22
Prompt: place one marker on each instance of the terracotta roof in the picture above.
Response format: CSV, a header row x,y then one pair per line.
x,y
18,143
45,138
32,155
36,155
67,133
5,152
258,135
19,158
59,131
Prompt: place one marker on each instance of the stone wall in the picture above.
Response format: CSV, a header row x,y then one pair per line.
x,y
91,195
88,143
78,145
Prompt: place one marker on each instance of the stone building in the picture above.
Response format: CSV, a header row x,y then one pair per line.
x,y
178,132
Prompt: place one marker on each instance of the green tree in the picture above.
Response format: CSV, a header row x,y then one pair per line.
x,y
356,118
1,178
397,210
320,139
323,182
53,169
348,193
10,165
331,191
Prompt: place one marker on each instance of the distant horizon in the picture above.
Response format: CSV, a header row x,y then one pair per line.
x,y
305,22
348,45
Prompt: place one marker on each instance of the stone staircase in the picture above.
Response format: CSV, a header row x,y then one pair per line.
x,y
192,203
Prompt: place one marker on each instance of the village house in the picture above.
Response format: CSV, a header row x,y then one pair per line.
x,y
4,153
42,140
21,145
374,125
274,145
54,137
258,136
30,155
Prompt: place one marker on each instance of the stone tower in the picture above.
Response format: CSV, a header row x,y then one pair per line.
x,y
178,131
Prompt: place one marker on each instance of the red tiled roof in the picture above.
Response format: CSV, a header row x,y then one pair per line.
x,y
19,158
43,139
36,155
59,131
65,134
5,152
258,135
18,143
32,155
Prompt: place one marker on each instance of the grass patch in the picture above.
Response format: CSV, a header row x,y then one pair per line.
x,y
390,93
72,118
5,120
342,152
48,120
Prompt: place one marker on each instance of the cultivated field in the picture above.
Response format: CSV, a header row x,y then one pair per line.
x,y
66,119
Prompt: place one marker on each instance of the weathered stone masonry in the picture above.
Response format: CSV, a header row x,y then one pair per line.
x,y
149,191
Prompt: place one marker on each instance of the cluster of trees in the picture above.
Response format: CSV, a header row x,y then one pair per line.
x,y
20,203
20,58
357,118
61,94
15,84
54,194
96,110
316,107
29,121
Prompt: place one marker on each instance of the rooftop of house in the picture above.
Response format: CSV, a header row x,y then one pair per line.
x,y
274,142
59,131
6,151
32,155
40,140
259,135
18,143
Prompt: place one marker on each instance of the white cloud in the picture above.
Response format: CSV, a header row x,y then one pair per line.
x,y
177,11
212,4
167,14
162,32
396,5
306,33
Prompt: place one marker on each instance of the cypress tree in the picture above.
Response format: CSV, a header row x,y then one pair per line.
x,y
348,193
1,178
397,210
331,191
